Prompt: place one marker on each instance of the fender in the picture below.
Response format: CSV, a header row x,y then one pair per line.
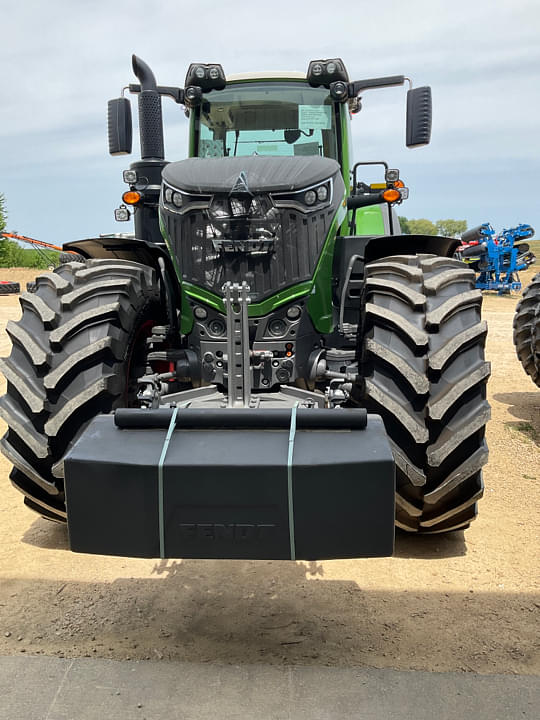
x,y
383,246
121,247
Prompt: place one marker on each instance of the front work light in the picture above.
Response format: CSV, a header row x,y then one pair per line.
x,y
130,176
324,72
121,214
207,77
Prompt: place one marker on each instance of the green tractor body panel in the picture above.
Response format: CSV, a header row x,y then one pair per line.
x,y
369,220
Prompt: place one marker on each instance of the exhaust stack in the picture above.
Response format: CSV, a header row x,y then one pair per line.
x,y
150,118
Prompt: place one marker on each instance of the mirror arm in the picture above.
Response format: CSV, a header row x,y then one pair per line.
x,y
355,88
177,94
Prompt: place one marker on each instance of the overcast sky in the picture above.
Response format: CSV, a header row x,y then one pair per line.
x,y
62,60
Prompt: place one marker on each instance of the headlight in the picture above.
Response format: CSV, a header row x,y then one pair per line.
x,y
307,200
322,193
200,72
180,202
331,68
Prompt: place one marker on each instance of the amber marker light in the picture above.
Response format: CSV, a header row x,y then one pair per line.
x,y
131,197
399,183
391,195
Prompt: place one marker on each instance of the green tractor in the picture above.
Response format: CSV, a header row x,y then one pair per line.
x,y
267,367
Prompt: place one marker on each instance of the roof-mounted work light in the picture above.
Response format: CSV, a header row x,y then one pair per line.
x,y
207,77
324,72
193,96
339,91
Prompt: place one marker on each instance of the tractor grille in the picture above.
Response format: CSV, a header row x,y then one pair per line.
x,y
271,249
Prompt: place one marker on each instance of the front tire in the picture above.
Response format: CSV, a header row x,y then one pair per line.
x,y
527,329
70,361
423,368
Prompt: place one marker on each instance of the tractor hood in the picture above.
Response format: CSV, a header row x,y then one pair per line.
x,y
252,174
248,218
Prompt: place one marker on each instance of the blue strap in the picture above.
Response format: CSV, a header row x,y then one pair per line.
x,y
292,433
164,449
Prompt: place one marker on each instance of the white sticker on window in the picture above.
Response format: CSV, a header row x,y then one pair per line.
x,y
314,117
267,150
211,148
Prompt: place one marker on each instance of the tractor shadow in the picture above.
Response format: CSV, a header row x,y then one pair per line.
x,y
46,535
526,407
430,547
270,612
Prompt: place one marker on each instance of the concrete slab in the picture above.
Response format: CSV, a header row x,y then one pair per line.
x,y
44,688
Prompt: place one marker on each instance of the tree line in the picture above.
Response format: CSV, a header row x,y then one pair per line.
x,y
422,226
13,255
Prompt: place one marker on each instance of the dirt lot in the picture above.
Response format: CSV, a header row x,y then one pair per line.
x,y
469,601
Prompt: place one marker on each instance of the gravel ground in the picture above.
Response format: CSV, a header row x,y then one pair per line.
x,y
468,601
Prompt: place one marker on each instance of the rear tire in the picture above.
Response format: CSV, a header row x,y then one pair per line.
x,y
527,329
67,257
424,372
70,361
9,288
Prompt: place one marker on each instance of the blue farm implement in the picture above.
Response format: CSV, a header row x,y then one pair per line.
x,y
497,258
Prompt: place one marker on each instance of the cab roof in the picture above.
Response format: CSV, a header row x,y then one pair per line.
x,y
268,75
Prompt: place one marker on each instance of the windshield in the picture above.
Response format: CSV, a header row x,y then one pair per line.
x,y
266,118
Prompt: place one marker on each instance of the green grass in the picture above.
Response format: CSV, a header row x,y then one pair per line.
x,y
13,255
523,428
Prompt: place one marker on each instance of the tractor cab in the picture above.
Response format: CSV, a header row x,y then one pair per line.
x,y
260,115
282,116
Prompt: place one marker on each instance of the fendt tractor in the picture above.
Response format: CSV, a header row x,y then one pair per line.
x,y
266,367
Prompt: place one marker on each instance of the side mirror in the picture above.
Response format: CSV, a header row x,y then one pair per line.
x,y
418,117
119,126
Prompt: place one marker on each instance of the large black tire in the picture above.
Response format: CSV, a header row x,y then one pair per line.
x,y
67,257
423,368
9,288
527,329
72,358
